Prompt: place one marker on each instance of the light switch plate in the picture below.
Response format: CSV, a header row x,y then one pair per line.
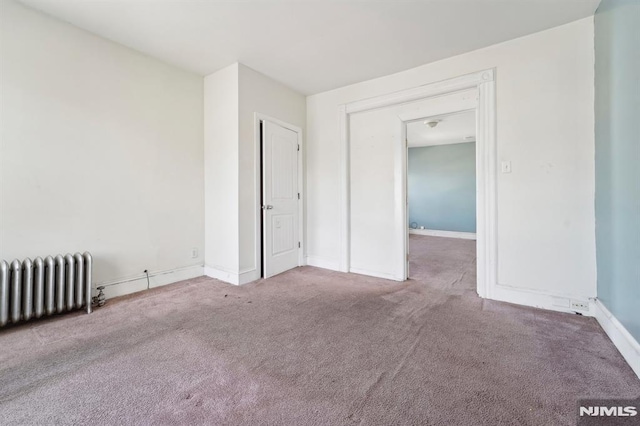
x,y
506,167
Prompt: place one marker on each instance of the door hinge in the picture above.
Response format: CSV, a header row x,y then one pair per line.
x,y
298,147
299,244
298,195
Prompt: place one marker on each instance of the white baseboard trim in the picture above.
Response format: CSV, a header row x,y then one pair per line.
x,y
539,299
248,276
619,335
232,277
446,234
376,274
222,275
138,283
322,262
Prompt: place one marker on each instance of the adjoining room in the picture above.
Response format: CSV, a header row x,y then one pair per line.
x,y
441,187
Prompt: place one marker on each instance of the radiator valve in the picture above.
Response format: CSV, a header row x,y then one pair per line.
x,y
100,299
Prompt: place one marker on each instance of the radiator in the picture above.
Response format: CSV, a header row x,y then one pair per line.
x,y
33,289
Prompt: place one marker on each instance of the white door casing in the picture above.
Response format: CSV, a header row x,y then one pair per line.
x,y
378,152
280,207
486,179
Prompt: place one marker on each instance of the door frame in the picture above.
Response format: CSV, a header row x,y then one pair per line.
x,y
486,170
259,117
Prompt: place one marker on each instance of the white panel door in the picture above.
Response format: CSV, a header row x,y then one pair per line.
x,y
279,199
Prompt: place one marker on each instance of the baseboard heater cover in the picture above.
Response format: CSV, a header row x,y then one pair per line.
x,y
42,287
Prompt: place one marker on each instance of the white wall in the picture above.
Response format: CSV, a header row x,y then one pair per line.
x,y
545,127
221,170
101,150
232,97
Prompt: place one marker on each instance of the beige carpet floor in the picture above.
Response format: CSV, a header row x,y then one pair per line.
x,y
312,347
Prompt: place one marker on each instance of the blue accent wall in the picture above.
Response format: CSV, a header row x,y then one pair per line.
x,y
442,187
617,131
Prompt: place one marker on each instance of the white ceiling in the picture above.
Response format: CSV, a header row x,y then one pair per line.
x,y
311,45
452,128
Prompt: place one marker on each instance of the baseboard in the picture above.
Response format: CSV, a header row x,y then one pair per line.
x,y
619,335
229,277
138,283
539,299
248,276
222,275
376,274
446,234
323,262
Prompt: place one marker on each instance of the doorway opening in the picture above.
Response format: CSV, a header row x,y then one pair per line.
x,y
279,213
441,198
373,175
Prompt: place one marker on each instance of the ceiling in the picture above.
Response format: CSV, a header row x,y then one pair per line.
x,y
452,128
311,45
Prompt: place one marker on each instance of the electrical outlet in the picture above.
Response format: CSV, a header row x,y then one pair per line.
x,y
579,306
194,253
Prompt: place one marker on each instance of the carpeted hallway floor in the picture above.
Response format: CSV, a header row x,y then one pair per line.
x,y
312,347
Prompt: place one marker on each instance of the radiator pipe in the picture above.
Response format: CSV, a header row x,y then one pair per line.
x,y
49,285
27,289
79,281
38,288
60,274
71,277
16,290
4,293
88,261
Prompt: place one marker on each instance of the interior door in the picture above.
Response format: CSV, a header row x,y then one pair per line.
x,y
280,199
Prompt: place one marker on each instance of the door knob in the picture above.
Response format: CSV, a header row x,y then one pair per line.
x,y
267,207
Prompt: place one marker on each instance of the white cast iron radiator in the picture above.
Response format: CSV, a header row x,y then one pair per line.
x,y
32,289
